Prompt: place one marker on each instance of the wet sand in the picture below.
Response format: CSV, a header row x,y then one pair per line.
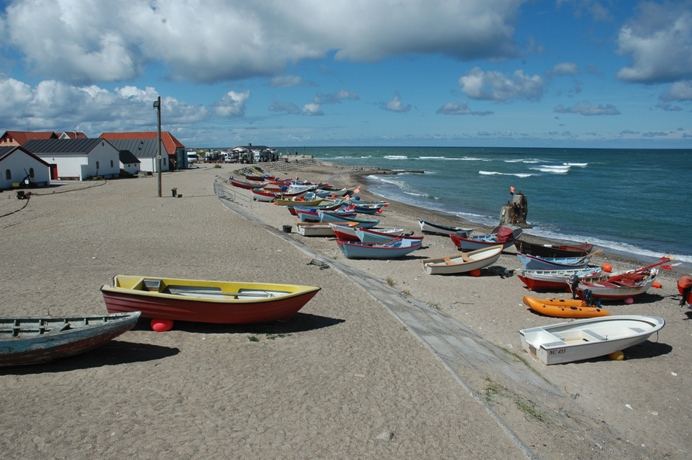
x,y
348,377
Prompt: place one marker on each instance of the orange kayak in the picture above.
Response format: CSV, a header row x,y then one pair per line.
x,y
563,308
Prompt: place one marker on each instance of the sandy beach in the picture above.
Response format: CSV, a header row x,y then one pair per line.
x,y
385,362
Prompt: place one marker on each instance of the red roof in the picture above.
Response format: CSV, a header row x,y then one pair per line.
x,y
22,137
75,134
170,143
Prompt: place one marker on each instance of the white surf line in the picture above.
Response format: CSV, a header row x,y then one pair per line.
x,y
455,345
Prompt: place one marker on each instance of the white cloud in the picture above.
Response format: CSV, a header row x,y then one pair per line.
x,y
564,68
491,85
286,81
287,107
56,105
337,97
659,40
93,40
395,105
679,91
313,109
453,108
232,104
588,109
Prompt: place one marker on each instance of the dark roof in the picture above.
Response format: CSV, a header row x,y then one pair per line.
x,y
7,151
128,157
63,146
22,137
139,147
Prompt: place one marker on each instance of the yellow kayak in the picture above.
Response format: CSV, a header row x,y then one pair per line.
x,y
563,308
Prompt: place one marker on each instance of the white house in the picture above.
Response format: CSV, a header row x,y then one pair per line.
x,y
77,159
129,162
18,164
146,151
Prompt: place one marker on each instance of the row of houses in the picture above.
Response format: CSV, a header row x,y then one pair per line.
x,y
39,157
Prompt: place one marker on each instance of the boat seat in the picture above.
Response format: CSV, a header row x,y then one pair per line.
x,y
595,335
638,330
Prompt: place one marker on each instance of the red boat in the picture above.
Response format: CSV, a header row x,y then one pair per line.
x,y
243,184
556,280
221,302
500,235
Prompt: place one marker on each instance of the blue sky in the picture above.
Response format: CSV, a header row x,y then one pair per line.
x,y
558,73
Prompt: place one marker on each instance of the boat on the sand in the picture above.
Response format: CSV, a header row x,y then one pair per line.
x,y
531,262
36,340
390,250
557,280
205,301
464,262
319,228
544,248
439,229
588,338
563,308
499,235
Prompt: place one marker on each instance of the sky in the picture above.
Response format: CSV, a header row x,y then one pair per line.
x,y
553,73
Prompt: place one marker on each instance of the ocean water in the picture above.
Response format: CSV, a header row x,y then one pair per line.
x,y
634,202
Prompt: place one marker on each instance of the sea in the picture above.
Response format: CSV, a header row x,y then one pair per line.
x,y
632,202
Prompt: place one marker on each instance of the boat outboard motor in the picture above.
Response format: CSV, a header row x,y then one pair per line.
x,y
573,284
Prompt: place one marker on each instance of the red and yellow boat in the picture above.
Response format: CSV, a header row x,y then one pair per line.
x,y
204,301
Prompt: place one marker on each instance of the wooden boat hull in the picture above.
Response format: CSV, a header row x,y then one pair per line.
x,y
69,336
338,218
259,195
391,250
319,229
369,235
530,262
556,280
588,338
563,308
463,263
552,249
221,307
444,230
242,184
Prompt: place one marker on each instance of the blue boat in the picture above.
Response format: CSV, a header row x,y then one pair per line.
x,y
335,217
391,250
530,262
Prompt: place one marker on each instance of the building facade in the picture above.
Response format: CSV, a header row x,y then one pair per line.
x,y
77,159
19,167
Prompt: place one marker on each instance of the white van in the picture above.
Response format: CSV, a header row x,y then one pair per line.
x,y
192,158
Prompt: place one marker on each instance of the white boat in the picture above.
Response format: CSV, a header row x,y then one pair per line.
x,y
588,338
319,228
463,262
439,229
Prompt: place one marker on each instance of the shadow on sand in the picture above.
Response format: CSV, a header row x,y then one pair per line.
x,y
301,322
113,353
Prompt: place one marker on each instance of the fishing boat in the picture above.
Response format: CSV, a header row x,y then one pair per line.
x,y
259,194
557,280
27,340
382,235
204,301
320,229
500,235
620,286
563,308
366,208
338,217
390,250
243,184
685,289
307,214
445,230
349,234
306,200
464,262
588,338
551,248
614,288
530,262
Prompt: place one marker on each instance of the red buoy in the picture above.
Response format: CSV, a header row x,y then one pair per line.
x,y
475,273
606,267
656,285
161,325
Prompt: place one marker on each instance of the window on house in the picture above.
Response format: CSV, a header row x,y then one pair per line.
x,y
97,165
8,174
111,163
164,162
31,172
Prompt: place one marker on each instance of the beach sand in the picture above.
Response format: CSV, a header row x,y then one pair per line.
x,y
384,362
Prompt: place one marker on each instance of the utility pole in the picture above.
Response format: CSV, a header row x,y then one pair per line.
x,y
157,106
